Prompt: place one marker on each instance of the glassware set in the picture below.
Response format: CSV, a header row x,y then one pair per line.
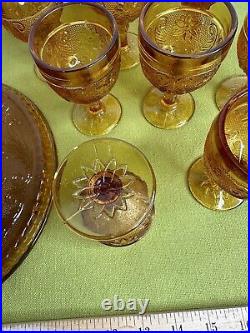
x,y
105,188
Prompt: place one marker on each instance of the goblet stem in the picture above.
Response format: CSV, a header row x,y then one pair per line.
x,y
97,118
96,107
168,101
123,31
129,47
166,110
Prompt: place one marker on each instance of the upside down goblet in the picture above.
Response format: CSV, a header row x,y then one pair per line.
x,y
76,48
105,190
181,45
124,13
219,180
18,18
234,84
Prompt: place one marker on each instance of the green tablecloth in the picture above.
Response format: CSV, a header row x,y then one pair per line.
x,y
191,258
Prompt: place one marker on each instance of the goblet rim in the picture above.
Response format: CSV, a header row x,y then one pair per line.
x,y
221,129
28,17
111,44
198,55
148,210
245,27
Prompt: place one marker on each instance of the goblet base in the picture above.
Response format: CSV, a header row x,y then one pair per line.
x,y
100,122
228,88
167,117
38,74
208,193
134,236
130,53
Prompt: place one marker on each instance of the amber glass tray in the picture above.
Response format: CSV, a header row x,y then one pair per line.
x,y
29,162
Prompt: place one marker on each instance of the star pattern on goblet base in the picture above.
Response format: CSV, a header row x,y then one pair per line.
x,y
103,188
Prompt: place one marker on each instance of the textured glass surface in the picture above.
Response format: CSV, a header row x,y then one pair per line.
x,y
29,163
104,190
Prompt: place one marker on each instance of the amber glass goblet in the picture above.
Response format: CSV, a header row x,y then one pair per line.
x,y
219,180
124,13
76,48
234,84
181,48
18,17
105,190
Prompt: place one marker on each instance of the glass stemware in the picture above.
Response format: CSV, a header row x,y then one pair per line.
x,y
234,84
76,48
219,180
181,48
105,190
18,18
124,13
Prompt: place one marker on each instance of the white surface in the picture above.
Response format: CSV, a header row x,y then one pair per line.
x,y
231,319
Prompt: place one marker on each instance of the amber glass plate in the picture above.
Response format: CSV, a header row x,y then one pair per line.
x,y
29,162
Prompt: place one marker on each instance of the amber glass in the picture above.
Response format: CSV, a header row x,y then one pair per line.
x,y
76,48
105,190
219,180
234,84
181,48
124,13
18,17
29,163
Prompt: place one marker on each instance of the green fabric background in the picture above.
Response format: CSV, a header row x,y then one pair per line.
x,y
191,258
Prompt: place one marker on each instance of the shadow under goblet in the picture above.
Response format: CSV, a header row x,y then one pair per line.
x,y
182,45
219,180
76,48
105,190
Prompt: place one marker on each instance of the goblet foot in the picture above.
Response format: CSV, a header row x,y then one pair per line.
x,y
130,53
209,194
168,116
135,235
228,88
100,122
38,74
